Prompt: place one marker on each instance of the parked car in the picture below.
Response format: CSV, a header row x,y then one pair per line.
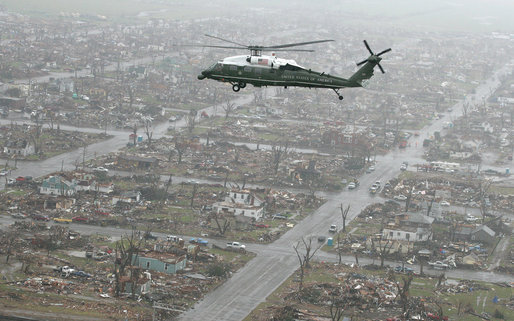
x,y
236,246
81,274
173,238
352,185
79,219
40,217
262,225
280,216
332,228
19,215
444,203
404,269
100,169
321,239
198,241
400,197
3,173
149,236
438,265
62,220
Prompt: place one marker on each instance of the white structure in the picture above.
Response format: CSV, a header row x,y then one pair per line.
x,y
19,147
241,202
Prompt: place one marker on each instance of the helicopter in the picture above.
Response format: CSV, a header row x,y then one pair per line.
x,y
269,70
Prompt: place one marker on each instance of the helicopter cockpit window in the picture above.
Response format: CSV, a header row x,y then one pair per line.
x,y
233,67
247,69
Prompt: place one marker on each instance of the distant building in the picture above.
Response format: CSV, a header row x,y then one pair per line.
x,y
19,147
127,197
137,162
160,262
56,185
241,202
412,227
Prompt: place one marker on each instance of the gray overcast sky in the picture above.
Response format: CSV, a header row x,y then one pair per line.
x,y
452,15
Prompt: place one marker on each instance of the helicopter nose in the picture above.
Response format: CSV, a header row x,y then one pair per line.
x,y
203,75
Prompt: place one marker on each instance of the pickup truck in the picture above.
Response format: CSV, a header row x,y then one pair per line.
x,y
236,246
438,265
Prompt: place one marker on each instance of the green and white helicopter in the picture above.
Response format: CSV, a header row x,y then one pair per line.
x,y
263,70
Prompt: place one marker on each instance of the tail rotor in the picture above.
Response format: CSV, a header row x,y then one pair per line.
x,y
374,57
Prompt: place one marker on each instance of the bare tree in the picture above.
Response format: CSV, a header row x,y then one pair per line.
x,y
126,249
147,123
180,146
228,107
403,294
339,249
344,215
190,121
222,222
304,256
36,131
337,306
193,194
383,248
409,199
278,152
134,135
8,242
56,236
168,183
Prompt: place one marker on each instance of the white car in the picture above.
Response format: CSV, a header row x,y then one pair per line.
x,y
101,169
400,197
3,173
351,185
444,203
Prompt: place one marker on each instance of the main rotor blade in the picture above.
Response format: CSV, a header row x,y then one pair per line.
x,y
224,47
272,49
362,62
383,52
367,46
229,41
299,44
381,69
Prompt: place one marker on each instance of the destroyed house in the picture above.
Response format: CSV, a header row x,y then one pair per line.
x,y
236,209
137,162
19,147
56,185
243,197
483,234
412,227
159,262
127,197
241,202
12,102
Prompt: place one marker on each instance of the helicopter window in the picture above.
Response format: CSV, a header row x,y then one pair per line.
x,y
258,70
290,67
233,67
248,69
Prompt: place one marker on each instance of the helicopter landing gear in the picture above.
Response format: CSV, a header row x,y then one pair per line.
x,y
242,85
236,87
338,94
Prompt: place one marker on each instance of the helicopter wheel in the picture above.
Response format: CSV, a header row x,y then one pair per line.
x,y
236,87
340,97
242,84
